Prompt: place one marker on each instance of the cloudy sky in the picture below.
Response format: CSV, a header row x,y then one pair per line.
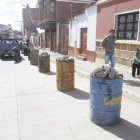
x,y
11,11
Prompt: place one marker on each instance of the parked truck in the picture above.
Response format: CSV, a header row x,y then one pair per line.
x,y
6,46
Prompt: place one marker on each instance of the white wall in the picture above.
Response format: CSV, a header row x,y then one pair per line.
x,y
57,36
72,33
92,20
84,20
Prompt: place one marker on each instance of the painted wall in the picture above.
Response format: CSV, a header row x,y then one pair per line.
x,y
64,8
84,20
57,36
43,43
72,33
107,11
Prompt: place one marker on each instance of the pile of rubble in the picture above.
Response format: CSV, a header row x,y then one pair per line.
x,y
64,59
106,71
44,54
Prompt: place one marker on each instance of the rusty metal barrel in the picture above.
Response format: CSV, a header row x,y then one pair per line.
x,y
65,74
105,100
34,54
44,62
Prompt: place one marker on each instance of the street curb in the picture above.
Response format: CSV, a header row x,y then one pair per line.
x,y
126,93
131,95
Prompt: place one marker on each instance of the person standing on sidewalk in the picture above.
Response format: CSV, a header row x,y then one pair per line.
x,y
109,45
136,63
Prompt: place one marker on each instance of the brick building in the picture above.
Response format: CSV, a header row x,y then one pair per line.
x,y
31,20
54,20
48,23
82,34
123,16
66,9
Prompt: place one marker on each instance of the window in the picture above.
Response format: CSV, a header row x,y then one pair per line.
x,y
9,42
127,26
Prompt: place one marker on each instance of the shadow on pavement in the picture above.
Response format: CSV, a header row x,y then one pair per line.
x,y
78,94
22,58
50,73
34,65
132,83
10,58
125,130
7,58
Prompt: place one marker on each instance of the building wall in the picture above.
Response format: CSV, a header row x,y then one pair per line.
x,y
124,53
65,8
124,50
48,44
47,9
57,36
63,38
84,20
43,41
28,34
53,41
106,14
72,33
31,19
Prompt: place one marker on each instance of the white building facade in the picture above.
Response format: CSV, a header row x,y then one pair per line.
x,y
82,33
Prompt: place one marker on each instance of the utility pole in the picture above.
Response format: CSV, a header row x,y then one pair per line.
x,y
71,10
20,27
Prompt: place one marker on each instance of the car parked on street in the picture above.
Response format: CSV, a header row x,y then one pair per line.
x,y
6,46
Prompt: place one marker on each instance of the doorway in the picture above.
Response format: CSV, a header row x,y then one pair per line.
x,y
83,47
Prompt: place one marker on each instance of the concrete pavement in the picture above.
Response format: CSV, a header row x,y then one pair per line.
x,y
32,109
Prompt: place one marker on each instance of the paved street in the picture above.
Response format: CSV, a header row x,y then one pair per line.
x,y
32,109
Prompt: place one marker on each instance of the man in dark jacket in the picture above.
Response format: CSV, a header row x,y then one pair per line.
x,y
109,45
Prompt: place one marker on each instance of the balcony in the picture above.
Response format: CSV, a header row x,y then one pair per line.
x,y
47,11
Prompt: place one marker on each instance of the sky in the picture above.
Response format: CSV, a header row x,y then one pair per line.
x,y
11,11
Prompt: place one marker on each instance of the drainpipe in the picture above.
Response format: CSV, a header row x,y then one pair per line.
x,y
57,36
71,10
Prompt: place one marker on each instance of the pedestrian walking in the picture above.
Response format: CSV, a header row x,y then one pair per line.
x,y
109,45
21,47
136,63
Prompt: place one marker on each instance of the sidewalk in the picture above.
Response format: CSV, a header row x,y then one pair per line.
x,y
131,86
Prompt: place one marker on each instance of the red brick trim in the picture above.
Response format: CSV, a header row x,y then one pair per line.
x,y
91,55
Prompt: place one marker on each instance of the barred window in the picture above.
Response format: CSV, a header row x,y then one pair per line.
x,y
127,26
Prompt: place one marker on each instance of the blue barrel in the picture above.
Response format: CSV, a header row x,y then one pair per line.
x,y
105,100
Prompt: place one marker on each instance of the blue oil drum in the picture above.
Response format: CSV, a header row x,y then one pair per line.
x,y
105,100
